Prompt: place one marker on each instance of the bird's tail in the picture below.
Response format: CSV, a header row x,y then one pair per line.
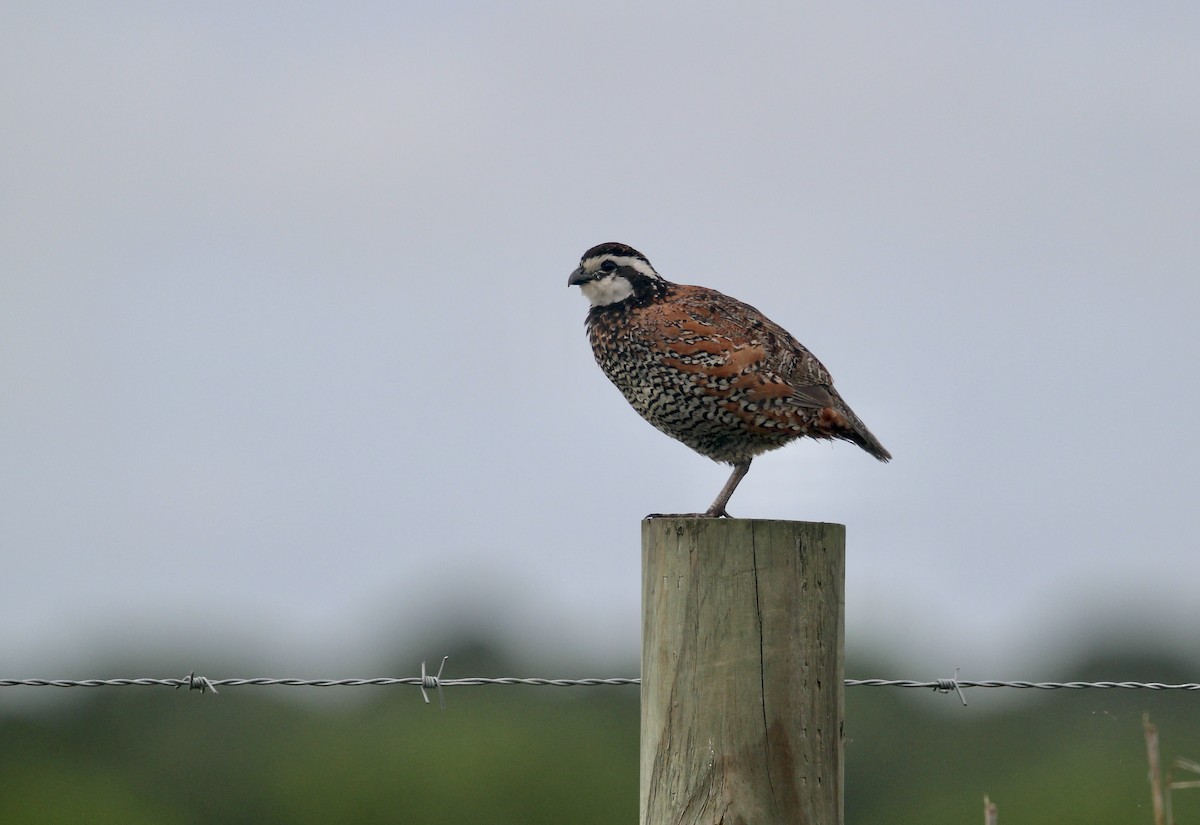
x,y
860,435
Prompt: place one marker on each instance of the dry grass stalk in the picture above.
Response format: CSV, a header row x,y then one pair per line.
x,y
1156,786
990,815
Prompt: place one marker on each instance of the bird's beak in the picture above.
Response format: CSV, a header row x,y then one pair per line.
x,y
579,277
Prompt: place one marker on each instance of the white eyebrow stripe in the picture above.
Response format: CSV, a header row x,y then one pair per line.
x,y
639,264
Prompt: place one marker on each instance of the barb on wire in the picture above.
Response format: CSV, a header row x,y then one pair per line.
x,y
194,682
947,685
433,683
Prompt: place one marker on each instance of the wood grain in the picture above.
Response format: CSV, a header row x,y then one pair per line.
x,y
742,672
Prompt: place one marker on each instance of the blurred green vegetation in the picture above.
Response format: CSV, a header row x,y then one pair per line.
x,y
1062,757
540,755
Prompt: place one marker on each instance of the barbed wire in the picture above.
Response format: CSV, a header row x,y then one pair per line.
x,y
428,682
956,685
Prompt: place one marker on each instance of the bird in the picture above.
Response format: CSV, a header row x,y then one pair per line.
x,y
707,369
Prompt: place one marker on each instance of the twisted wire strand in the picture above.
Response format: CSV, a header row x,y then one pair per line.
x,y
949,684
430,682
202,683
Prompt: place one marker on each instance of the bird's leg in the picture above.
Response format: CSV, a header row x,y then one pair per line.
x,y
718,507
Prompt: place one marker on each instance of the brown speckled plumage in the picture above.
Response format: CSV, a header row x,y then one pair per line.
x,y
707,369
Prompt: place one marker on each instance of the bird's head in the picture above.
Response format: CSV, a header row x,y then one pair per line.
x,y
612,272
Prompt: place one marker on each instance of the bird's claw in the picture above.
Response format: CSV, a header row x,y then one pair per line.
x,y
707,514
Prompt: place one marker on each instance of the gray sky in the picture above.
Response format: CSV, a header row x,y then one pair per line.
x,y
289,364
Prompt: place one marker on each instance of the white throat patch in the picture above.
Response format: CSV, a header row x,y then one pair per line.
x,y
611,289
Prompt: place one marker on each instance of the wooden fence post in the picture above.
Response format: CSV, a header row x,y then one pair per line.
x,y
742,672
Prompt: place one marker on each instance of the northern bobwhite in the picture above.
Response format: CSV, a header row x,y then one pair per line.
x,y
707,369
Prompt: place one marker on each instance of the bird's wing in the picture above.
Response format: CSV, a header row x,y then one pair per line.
x,y
709,332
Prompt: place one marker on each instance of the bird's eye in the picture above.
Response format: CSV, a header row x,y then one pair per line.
x,y
608,266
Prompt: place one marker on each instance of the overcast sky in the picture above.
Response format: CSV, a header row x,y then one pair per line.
x,y
289,364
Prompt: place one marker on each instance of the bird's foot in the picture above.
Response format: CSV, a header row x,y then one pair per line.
x,y
707,514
